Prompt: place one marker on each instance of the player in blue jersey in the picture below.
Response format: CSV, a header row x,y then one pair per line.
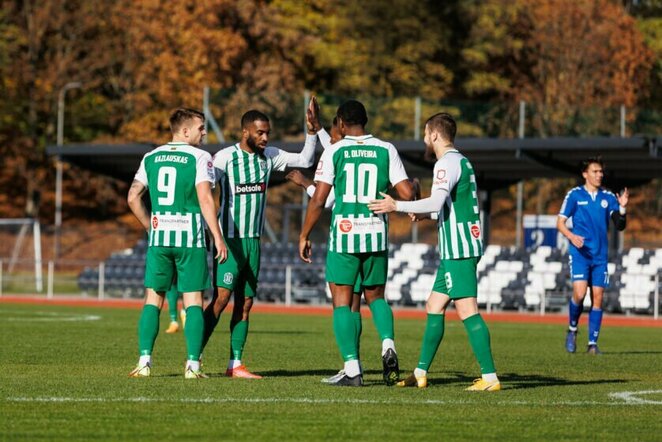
x,y
590,208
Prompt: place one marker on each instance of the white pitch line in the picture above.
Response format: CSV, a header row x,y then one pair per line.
x,y
630,397
41,316
208,400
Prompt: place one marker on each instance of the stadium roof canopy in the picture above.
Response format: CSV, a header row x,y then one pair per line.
x,y
498,162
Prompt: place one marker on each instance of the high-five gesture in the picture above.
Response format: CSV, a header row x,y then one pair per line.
x,y
623,197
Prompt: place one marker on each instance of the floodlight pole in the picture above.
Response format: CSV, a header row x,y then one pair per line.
x,y
520,183
58,164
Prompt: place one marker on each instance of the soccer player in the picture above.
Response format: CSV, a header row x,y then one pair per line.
x,y
243,172
179,177
172,296
590,208
295,176
454,200
358,168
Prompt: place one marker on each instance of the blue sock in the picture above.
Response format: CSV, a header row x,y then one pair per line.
x,y
574,312
594,321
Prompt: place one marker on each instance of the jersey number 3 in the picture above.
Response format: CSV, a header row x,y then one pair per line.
x,y
166,183
367,183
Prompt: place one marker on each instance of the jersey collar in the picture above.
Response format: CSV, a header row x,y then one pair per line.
x,y
177,143
358,138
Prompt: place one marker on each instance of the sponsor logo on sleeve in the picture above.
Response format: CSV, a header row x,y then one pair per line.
x,y
318,171
475,231
440,177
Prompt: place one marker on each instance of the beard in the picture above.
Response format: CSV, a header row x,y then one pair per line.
x,y
429,154
253,144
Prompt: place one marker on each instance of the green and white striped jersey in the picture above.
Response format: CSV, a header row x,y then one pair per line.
x,y
359,168
244,178
171,173
460,234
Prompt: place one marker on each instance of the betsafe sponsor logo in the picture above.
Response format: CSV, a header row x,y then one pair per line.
x,y
240,189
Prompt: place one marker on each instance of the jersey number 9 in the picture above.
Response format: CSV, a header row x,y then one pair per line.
x,y
166,183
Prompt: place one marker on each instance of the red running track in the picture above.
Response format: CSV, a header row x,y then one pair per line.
x,y
408,313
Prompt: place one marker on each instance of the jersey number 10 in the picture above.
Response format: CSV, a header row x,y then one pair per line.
x,y
367,180
166,183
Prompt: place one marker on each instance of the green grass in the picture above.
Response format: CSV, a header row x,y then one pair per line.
x,y
62,378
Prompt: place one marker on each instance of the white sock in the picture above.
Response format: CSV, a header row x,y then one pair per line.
x,y
419,372
145,360
387,344
234,363
490,377
193,365
572,329
352,368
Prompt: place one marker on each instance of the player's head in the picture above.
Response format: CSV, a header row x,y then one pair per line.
x,y
334,132
440,129
255,130
188,125
593,171
351,114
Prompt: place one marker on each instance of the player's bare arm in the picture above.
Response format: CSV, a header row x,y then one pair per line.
x,y
623,197
134,199
576,240
299,179
208,209
315,208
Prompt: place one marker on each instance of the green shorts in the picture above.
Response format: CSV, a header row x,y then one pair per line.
x,y
457,278
347,268
358,285
189,265
240,271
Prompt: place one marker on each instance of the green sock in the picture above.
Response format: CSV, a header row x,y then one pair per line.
x,y
479,337
210,322
382,315
238,335
358,325
434,333
345,330
193,332
172,296
148,328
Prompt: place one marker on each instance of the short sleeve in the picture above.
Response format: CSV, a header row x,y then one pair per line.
x,y
325,172
447,172
141,174
396,171
204,169
569,205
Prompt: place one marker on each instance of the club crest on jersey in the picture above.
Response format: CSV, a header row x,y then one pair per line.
x,y
604,204
475,231
240,189
155,223
227,278
345,225
263,166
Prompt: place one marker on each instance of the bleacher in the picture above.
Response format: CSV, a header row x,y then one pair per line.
x,y
508,278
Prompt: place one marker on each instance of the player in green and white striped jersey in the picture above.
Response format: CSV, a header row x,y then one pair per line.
x,y
358,168
179,177
243,172
454,200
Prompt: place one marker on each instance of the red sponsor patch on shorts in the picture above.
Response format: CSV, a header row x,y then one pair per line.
x,y
475,231
155,222
345,225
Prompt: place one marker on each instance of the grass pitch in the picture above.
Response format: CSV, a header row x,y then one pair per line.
x,y
63,375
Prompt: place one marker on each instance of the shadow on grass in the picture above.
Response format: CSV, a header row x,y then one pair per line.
x,y
518,382
633,352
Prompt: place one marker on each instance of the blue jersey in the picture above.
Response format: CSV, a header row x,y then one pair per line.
x,y
590,215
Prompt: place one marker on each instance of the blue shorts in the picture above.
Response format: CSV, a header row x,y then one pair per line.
x,y
582,269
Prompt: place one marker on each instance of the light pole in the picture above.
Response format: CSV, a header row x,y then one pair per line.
x,y
58,164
